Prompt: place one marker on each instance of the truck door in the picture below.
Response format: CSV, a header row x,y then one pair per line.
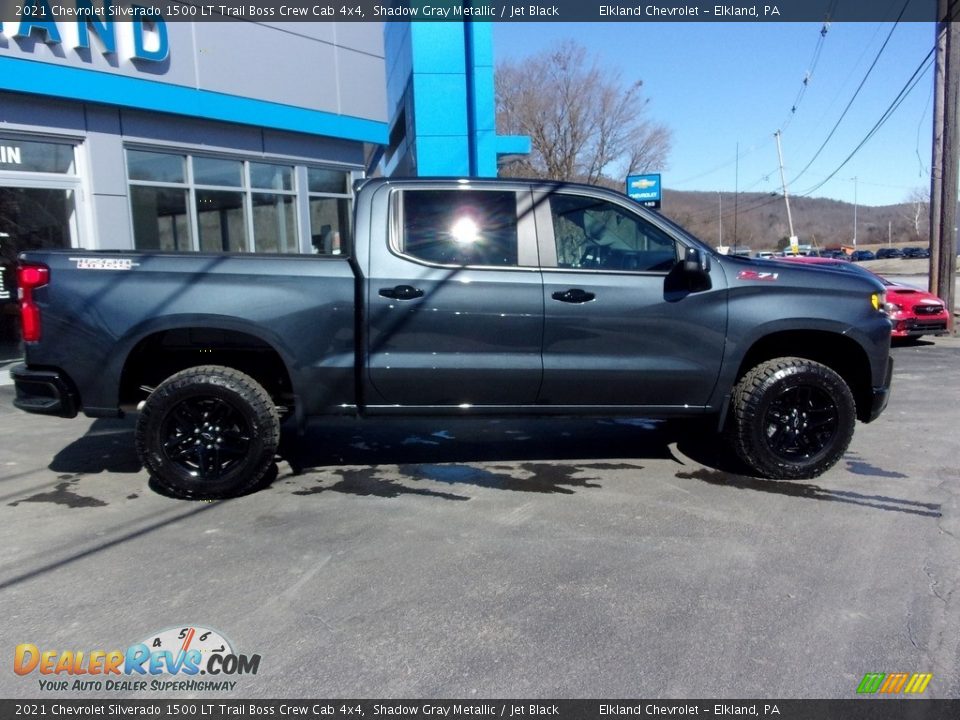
x,y
455,299
622,324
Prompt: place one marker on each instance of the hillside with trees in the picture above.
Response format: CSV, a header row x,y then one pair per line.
x,y
759,220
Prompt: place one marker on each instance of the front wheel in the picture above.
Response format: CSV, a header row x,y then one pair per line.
x,y
208,432
792,418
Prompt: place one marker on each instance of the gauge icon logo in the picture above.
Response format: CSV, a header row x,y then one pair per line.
x,y
195,637
190,649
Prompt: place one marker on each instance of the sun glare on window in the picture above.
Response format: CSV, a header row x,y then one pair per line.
x,y
465,231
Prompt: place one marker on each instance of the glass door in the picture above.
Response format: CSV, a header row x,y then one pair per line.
x,y
31,218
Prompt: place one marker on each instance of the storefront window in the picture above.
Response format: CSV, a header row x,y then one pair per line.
x,y
321,180
187,202
156,167
220,218
214,171
275,223
30,156
160,220
329,225
271,177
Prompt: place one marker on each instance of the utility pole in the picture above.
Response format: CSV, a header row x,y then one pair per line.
x,y
854,178
720,218
783,181
736,196
946,261
936,162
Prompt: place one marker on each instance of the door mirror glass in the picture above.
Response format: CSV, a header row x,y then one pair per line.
x,y
696,262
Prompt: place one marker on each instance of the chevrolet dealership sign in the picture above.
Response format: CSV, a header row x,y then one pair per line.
x,y
645,189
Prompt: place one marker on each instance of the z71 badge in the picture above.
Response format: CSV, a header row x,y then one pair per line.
x,y
754,275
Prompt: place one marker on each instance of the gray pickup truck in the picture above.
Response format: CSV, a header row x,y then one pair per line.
x,y
455,297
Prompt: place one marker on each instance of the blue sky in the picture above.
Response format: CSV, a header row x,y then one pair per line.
x,y
717,84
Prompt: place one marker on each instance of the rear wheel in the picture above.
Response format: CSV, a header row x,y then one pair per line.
x,y
208,432
792,418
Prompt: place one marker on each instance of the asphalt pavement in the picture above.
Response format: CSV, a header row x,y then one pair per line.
x,y
417,558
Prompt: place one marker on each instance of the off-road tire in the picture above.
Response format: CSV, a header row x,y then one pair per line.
x,y
792,418
208,432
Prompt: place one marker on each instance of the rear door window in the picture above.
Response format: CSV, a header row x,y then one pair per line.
x,y
460,227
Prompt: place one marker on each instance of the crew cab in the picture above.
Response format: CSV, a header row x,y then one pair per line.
x,y
455,297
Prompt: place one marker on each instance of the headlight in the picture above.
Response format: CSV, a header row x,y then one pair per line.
x,y
892,308
878,300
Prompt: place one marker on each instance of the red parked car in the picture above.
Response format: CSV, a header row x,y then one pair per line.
x,y
913,312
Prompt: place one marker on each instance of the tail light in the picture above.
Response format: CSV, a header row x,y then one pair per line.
x,y
29,278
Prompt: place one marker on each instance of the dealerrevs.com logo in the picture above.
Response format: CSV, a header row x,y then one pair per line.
x,y
166,661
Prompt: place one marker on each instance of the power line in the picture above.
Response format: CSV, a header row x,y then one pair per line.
x,y
753,148
812,66
808,76
849,75
854,97
897,101
901,96
923,169
907,88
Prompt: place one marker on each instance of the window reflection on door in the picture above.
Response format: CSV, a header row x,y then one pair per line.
x,y
30,219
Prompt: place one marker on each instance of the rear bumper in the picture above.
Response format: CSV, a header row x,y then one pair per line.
x,y
45,392
881,395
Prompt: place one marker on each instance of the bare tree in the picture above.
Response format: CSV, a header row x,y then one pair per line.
x,y
917,211
584,123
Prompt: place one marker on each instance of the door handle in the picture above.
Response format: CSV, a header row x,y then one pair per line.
x,y
573,295
401,292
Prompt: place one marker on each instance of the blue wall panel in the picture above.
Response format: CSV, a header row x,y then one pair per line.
x,y
439,156
438,48
448,117
450,120
90,86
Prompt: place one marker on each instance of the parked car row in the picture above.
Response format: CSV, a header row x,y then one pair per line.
x,y
855,256
834,254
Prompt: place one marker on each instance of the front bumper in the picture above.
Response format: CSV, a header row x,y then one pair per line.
x,y
881,395
912,327
44,391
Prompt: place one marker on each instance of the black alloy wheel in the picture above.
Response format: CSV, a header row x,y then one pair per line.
x,y
205,437
791,418
208,432
801,422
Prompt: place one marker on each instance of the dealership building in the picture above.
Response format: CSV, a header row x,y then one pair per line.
x,y
226,136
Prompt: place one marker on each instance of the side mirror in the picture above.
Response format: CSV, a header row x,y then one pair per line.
x,y
696,262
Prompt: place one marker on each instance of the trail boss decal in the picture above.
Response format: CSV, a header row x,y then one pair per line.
x,y
97,263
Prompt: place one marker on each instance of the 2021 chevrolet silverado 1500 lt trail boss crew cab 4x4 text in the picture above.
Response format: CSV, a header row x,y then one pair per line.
x,y
454,297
